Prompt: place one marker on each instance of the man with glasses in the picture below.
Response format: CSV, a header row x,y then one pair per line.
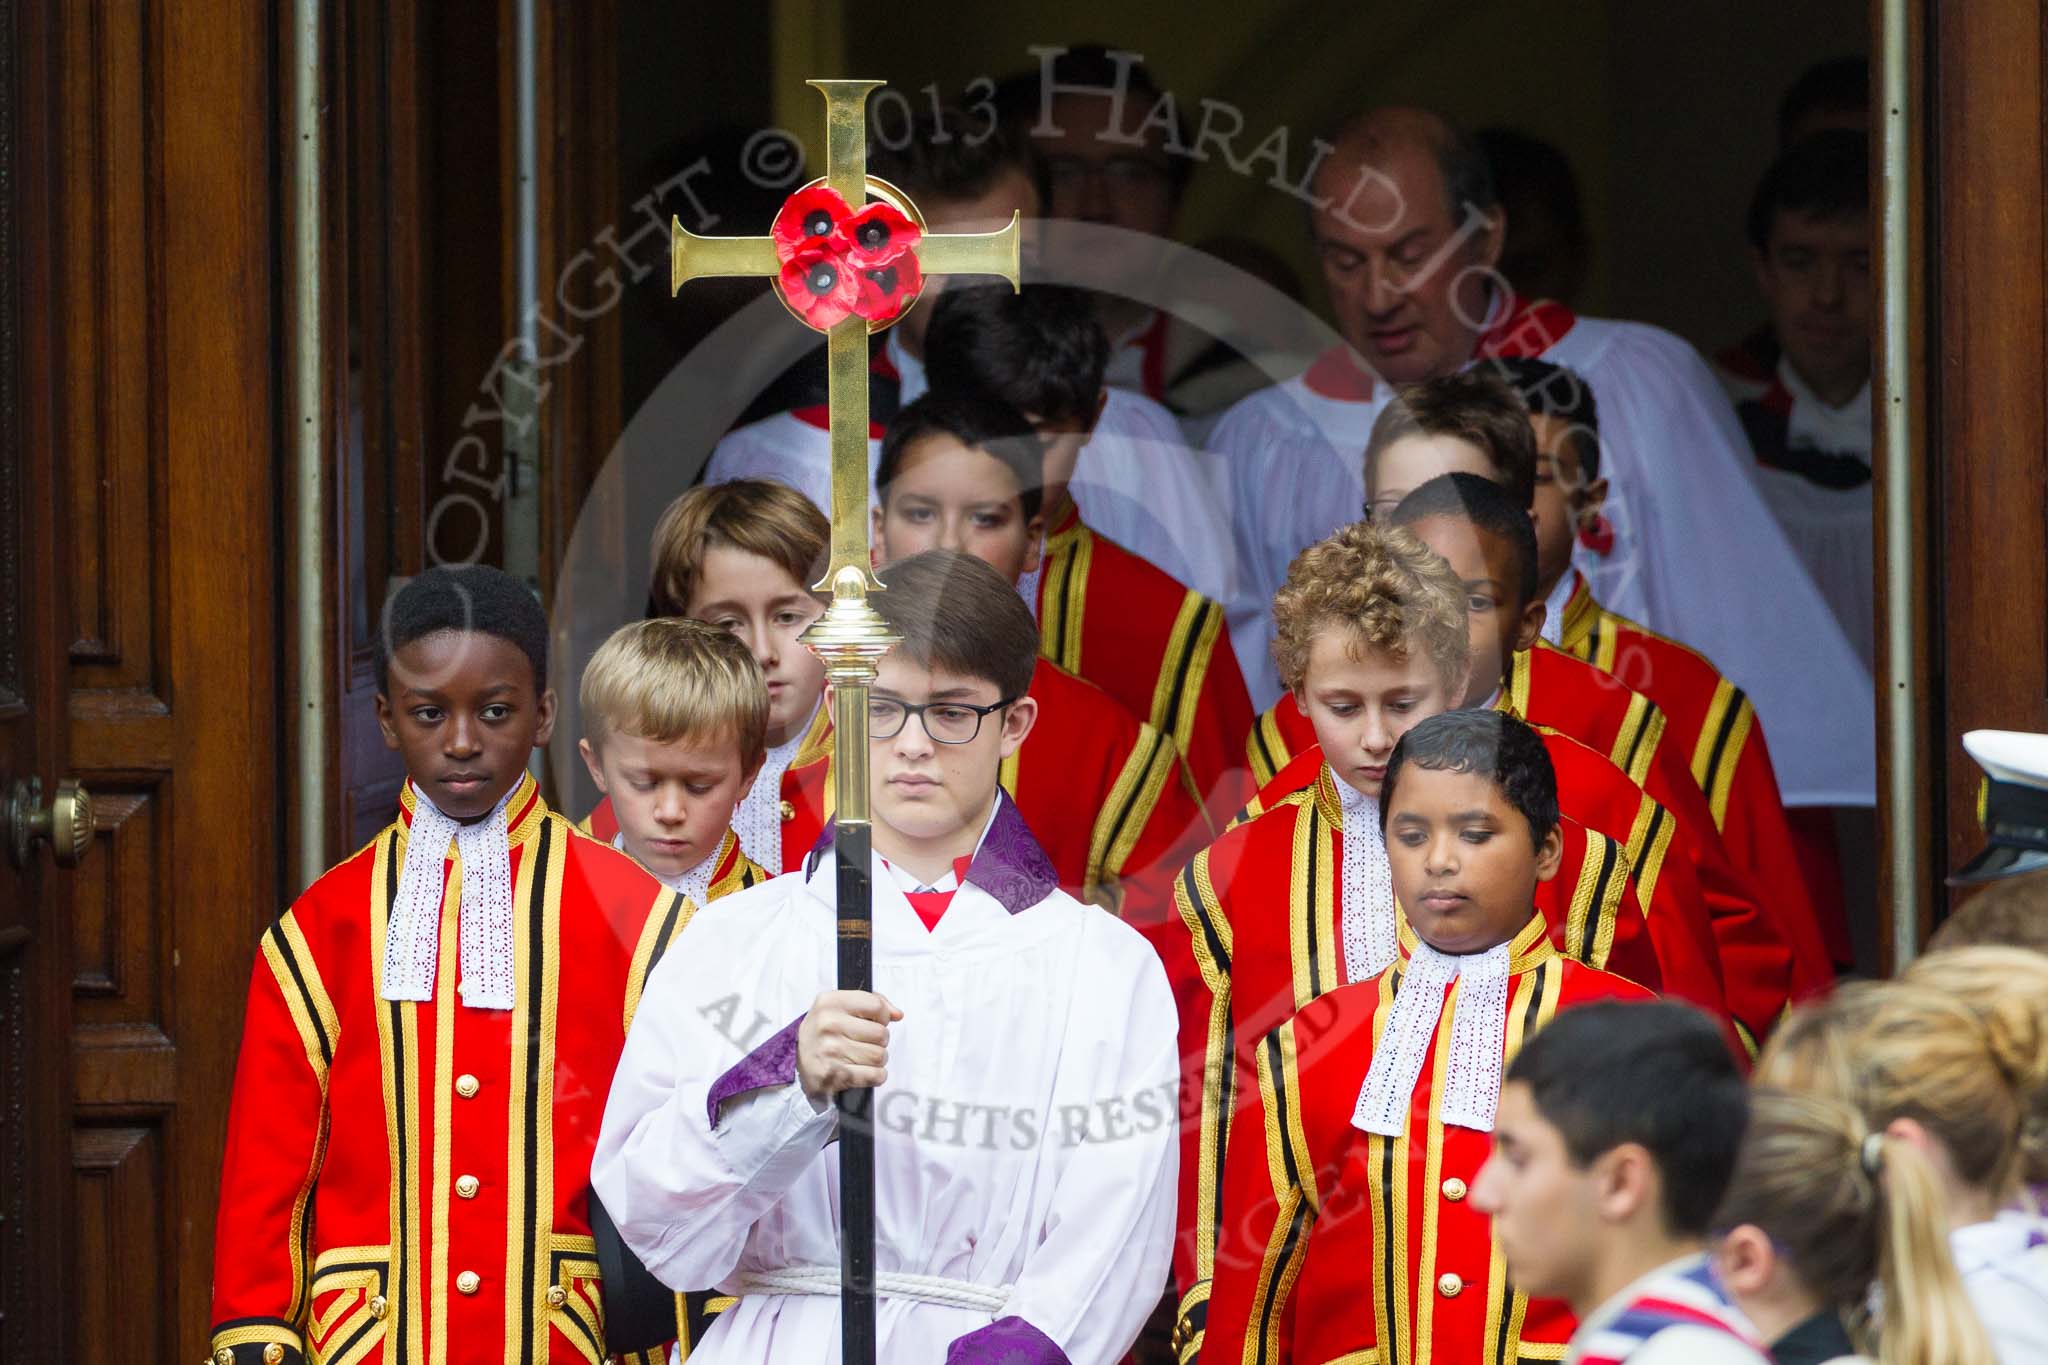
x,y
1020,1043
1116,152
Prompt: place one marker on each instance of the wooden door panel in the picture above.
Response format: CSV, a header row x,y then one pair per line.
x,y
110,383
104,326
144,436
120,1181
1985,392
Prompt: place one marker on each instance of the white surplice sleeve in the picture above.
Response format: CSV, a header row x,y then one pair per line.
x,y
1103,1252
1138,482
1285,487
780,448
700,1137
1700,556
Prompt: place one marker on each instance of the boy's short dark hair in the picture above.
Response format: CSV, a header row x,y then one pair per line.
x,y
1838,85
1494,745
470,597
977,422
1825,175
1476,406
956,613
1551,390
1487,505
1039,349
949,155
1655,1073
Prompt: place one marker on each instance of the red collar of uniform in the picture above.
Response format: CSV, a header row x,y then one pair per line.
x,y
522,812
819,415
1580,611
1522,329
1151,344
1525,329
883,366
1776,399
1069,519
1530,947
1337,374
725,857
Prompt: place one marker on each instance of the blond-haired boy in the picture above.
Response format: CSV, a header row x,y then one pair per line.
x,y
675,723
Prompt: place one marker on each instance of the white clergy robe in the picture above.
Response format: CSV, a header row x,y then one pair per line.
x,y
1697,553
1813,468
1136,481
1025,1137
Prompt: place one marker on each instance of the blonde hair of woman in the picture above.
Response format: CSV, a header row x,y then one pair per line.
x,y
1955,1079
2007,989
1820,1207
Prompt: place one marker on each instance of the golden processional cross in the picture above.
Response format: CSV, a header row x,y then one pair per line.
x,y
849,268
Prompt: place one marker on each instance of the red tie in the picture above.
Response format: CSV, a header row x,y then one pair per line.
x,y
931,905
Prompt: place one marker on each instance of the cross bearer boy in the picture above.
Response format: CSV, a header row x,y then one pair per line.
x,y
431,1030
1020,1042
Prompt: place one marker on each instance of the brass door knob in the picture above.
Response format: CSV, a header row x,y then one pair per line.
x,y
65,824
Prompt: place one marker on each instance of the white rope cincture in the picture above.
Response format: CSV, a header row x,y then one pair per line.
x,y
823,1280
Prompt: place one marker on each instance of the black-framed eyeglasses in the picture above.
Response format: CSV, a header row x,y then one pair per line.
x,y
947,722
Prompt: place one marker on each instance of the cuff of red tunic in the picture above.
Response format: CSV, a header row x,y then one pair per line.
x,y
1191,1321
257,1341
1006,1341
772,1063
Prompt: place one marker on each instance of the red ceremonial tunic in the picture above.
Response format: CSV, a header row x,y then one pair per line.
x,y
1551,689
1710,721
1342,1245
1263,909
409,1181
1157,647
1597,797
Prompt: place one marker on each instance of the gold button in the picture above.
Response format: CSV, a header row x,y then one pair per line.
x,y
378,1307
557,1296
1454,1189
468,1282
466,1086
224,1356
272,1354
466,1186
788,810
1449,1285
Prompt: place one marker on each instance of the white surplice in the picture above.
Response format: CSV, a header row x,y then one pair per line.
x,y
1026,1135
1832,528
1697,556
